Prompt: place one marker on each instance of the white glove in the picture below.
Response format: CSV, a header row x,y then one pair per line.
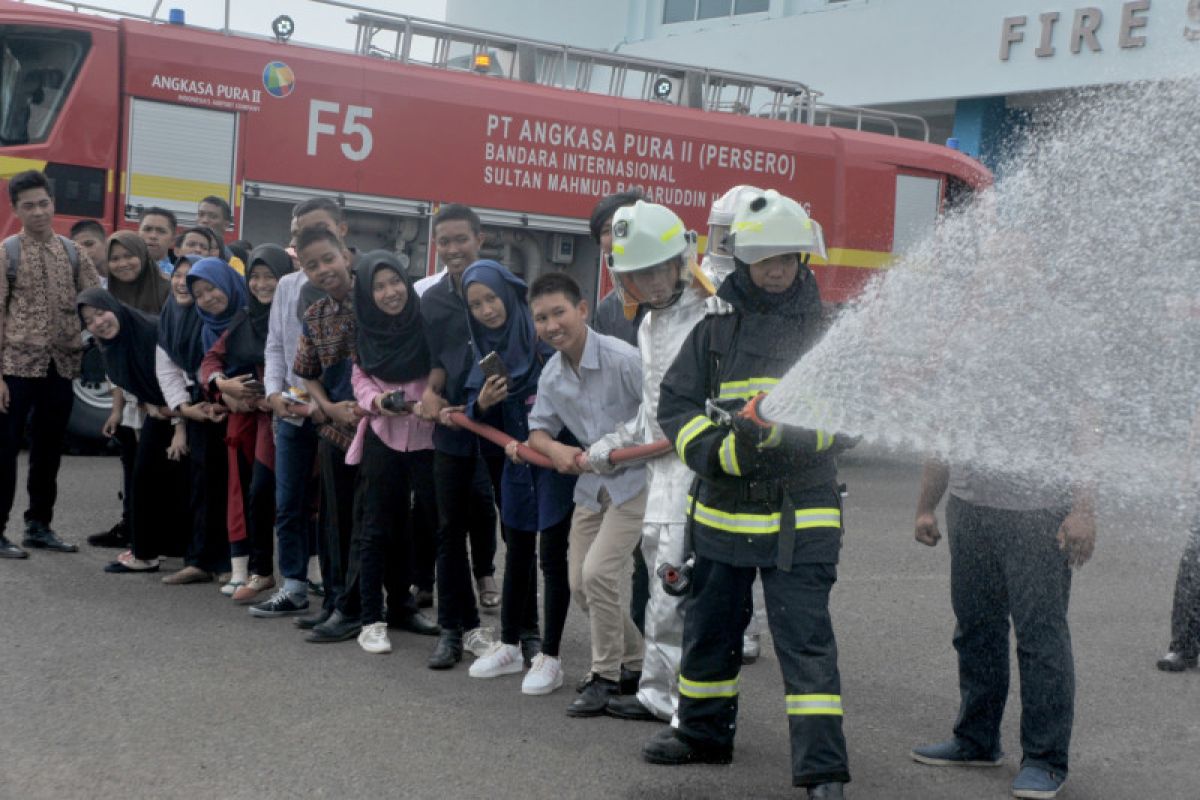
x,y
716,307
597,456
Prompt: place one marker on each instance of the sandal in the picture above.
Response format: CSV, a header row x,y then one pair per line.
x,y
489,593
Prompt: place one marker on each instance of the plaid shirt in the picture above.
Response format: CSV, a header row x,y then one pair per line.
x,y
327,348
40,322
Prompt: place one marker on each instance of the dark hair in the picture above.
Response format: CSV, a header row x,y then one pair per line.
x,y
241,248
206,232
556,283
243,244
455,211
158,211
87,225
608,206
313,234
24,181
325,204
220,203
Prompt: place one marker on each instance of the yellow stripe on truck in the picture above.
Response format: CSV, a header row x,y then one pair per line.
x,y
11,165
848,257
161,187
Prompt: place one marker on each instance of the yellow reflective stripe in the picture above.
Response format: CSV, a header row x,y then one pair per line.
x,y
824,440
618,249
746,389
675,230
806,518
695,426
729,461
706,690
773,438
814,704
748,225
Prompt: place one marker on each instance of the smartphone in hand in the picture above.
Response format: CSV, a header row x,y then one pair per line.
x,y
492,364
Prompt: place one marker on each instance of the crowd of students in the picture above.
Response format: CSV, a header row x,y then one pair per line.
x,y
317,412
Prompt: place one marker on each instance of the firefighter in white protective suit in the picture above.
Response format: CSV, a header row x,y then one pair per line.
x,y
653,264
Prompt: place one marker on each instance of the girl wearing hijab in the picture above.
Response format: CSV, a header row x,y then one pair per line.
x,y
139,284
393,446
232,372
532,499
127,340
178,358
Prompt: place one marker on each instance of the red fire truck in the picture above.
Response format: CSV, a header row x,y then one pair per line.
x,y
125,113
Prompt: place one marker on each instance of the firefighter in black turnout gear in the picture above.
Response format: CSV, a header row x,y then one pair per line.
x,y
765,499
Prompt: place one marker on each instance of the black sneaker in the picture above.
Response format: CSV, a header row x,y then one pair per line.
x,y
282,604
10,550
116,536
39,536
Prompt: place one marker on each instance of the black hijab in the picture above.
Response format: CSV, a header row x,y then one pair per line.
x,y
179,330
391,348
799,305
128,358
246,341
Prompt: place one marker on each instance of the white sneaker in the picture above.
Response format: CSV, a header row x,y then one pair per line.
x,y
231,587
500,659
544,676
374,639
478,641
751,648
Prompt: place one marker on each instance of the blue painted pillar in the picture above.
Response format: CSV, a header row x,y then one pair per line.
x,y
981,125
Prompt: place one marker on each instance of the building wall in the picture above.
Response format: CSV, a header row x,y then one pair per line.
x,y
874,52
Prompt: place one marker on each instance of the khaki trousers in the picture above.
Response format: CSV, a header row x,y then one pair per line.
x,y
600,557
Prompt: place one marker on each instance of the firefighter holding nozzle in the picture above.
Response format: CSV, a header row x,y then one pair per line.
x,y
764,499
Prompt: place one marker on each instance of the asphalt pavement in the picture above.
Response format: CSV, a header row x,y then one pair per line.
x,y
116,686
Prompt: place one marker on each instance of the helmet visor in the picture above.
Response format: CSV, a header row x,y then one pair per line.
x,y
655,286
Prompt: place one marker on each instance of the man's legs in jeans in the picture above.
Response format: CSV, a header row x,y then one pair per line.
x,y
1039,589
600,556
295,453
455,481
979,596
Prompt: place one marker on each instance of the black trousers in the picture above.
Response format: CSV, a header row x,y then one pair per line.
x,y
715,614
258,510
49,399
423,530
382,537
518,605
459,510
161,521
1007,564
208,545
127,449
337,527
1185,612
482,526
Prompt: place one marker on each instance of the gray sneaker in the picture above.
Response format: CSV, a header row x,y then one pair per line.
x,y
39,537
10,550
282,604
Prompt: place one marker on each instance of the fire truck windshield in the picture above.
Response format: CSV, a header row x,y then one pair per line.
x,y
37,68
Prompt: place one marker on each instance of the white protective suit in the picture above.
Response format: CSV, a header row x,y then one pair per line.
x,y
660,338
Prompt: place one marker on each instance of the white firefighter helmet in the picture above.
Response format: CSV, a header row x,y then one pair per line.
x,y
718,252
650,253
768,224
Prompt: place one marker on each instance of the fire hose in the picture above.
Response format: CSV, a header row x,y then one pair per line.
x,y
501,439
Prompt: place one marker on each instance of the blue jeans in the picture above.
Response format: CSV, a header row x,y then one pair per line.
x,y
295,455
1006,565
